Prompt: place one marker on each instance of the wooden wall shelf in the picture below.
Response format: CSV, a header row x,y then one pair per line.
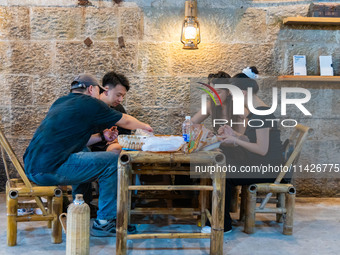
x,y
309,78
311,21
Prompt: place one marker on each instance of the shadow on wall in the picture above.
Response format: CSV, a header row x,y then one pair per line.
x,y
3,177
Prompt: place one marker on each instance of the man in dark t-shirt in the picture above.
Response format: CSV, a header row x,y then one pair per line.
x,y
116,85
56,155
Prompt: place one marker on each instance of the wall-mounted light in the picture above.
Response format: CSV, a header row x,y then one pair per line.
x,y
190,36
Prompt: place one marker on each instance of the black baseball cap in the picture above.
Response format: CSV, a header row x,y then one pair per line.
x,y
85,80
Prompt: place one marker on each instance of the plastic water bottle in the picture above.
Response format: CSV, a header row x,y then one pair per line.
x,y
186,128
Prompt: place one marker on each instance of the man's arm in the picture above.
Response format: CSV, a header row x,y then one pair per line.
x,y
108,134
96,138
132,123
127,122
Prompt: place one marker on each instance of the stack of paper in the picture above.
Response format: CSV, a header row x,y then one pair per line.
x,y
326,66
299,64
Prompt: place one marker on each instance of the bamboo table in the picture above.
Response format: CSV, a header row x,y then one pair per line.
x,y
170,163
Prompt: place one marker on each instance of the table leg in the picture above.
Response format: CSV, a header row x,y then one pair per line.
x,y
203,202
124,169
217,225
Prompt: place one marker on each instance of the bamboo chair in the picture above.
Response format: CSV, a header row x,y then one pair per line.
x,y
23,189
285,202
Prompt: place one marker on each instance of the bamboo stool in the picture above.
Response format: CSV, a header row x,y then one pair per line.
x,y
178,163
23,189
285,202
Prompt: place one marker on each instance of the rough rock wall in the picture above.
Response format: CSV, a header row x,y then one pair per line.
x,y
42,49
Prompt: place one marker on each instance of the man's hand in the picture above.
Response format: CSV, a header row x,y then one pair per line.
x,y
110,134
148,128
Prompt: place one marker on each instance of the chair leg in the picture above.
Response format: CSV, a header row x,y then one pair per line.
x,y
249,222
280,204
49,207
12,210
243,202
288,223
57,209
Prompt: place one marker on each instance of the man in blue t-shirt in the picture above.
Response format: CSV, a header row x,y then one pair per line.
x,y
56,153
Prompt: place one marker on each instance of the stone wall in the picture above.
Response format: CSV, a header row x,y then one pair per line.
x,y
42,49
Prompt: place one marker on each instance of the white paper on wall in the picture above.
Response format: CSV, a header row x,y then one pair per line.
x,y
326,66
299,64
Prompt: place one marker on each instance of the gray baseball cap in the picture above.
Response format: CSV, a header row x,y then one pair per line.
x,y
85,80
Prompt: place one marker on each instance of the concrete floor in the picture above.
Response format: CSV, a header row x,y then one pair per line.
x,y
316,231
